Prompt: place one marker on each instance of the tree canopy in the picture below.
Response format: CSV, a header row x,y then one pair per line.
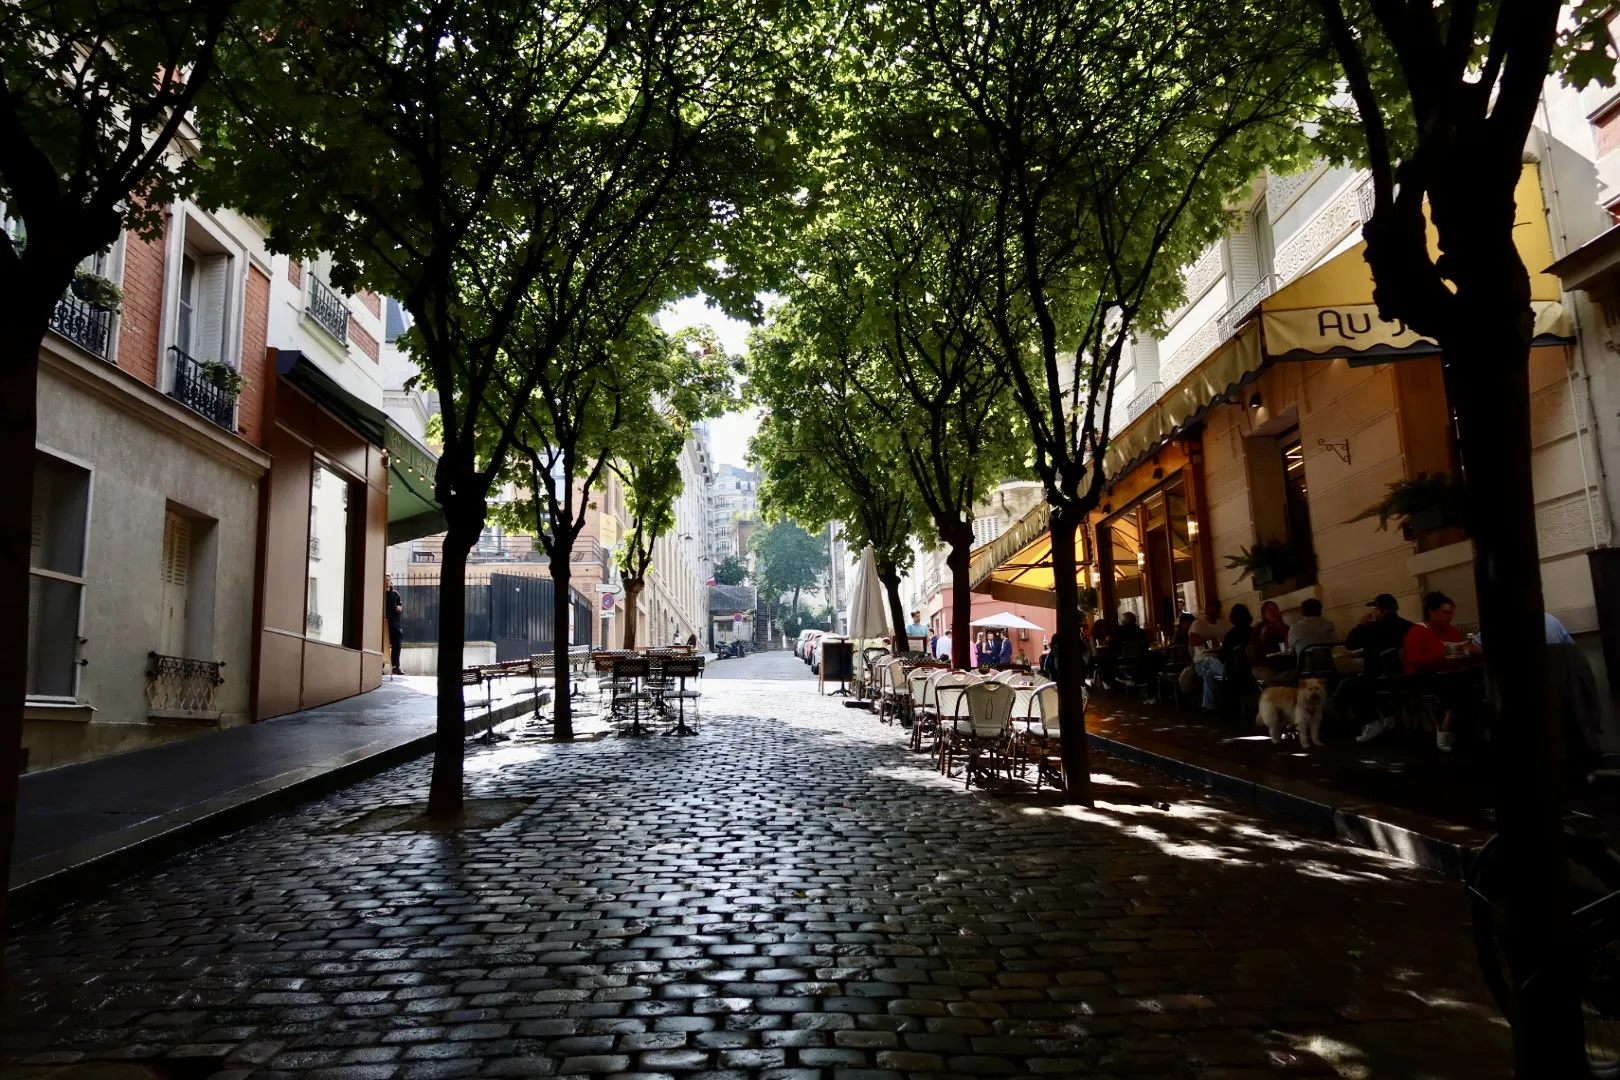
x,y
788,559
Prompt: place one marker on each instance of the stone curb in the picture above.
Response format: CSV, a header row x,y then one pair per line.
x,y
1429,842
76,873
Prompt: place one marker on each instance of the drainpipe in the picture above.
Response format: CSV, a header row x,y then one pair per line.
x,y
1575,356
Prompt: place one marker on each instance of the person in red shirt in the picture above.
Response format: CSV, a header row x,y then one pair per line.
x,y
1425,652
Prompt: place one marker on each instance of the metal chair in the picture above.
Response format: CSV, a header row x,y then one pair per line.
x,y
896,693
1050,741
682,668
628,674
950,710
1177,658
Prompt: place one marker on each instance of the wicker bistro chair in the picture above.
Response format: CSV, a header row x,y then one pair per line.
x,y
924,717
896,700
950,710
1048,743
682,668
866,679
982,742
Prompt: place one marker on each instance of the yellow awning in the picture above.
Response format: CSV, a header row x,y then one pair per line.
x,y
1329,312
1016,567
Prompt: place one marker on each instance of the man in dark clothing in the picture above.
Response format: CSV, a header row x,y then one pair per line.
x,y
394,612
1379,631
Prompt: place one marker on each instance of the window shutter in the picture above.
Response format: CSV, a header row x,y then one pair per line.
x,y
213,273
1242,267
176,574
1268,501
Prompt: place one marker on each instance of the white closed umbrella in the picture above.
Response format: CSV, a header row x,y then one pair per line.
x,y
866,604
1005,620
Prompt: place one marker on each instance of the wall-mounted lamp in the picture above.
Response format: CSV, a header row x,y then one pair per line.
x,y
1254,400
1141,559
1192,528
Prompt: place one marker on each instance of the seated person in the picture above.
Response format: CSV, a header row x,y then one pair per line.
x,y
1311,629
1272,632
1231,657
1208,629
1183,632
1425,653
1379,631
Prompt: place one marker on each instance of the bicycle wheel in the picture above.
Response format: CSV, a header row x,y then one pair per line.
x,y
1594,872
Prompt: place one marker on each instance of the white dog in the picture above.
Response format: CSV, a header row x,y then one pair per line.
x,y
1301,707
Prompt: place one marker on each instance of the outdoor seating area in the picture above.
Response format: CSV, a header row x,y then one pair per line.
x,y
994,726
650,685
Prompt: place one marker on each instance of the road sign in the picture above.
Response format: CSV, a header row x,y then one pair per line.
x,y
607,602
737,617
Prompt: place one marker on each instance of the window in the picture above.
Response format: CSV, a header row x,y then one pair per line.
x,y
986,529
56,576
176,574
1298,507
185,327
335,519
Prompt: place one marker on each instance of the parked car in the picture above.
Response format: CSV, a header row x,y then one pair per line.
x,y
801,647
810,647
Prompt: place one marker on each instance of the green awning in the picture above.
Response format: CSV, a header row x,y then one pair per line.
x,y
412,510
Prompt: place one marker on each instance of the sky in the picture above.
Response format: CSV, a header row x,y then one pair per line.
x,y
729,434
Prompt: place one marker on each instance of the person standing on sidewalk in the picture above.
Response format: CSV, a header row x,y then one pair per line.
x,y
394,612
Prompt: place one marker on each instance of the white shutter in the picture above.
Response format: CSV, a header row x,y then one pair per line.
x,y
1242,267
213,274
176,573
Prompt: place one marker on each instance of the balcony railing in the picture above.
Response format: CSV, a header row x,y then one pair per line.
x,y
85,326
1139,404
193,390
175,683
1228,320
313,622
315,547
1366,200
328,309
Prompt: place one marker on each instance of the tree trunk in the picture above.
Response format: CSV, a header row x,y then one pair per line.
x,y
889,574
959,560
632,594
444,791
1488,379
1070,650
562,707
21,333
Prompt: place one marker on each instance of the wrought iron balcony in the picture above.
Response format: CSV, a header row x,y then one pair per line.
x,y
315,547
1139,404
194,390
313,622
328,309
87,327
1228,320
1366,200
175,683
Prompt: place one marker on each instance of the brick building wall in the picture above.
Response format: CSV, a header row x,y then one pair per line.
x,y
362,340
140,323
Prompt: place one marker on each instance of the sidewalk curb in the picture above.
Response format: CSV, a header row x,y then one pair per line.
x,y
76,873
1428,842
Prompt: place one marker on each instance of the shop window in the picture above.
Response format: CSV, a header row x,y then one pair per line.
x,y
1150,562
335,519
56,558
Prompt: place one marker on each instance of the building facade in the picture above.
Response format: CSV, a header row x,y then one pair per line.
x,y
147,488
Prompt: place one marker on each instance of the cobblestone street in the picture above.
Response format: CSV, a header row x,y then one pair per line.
x,y
792,894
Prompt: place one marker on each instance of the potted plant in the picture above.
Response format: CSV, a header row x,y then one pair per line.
x,y
1266,562
223,377
97,291
1089,601
1426,502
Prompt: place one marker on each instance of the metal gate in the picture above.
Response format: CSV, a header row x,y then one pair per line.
x,y
520,615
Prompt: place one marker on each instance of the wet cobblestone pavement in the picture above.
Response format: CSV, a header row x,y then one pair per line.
x,y
790,895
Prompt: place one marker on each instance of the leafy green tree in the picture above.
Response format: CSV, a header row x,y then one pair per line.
x,y
91,99
521,184
788,559
1091,146
731,570
826,454
647,460
1446,94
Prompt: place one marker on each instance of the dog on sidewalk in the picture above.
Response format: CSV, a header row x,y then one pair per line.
x,y
1297,706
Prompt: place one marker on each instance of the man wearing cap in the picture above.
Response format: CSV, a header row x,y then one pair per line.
x,y
1379,631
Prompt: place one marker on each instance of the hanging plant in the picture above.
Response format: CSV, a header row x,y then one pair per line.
x,y
97,291
1089,600
1266,562
223,377
1427,501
